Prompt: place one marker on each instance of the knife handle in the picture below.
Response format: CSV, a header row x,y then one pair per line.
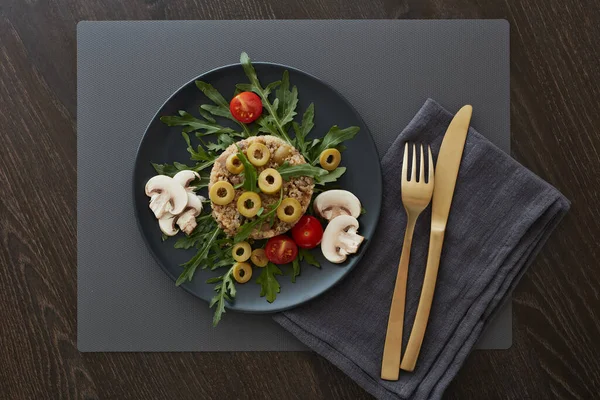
x,y
392,350
420,325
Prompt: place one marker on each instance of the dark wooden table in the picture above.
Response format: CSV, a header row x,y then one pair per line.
x,y
555,91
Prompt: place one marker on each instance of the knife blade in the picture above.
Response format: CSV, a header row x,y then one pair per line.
x,y
448,163
446,173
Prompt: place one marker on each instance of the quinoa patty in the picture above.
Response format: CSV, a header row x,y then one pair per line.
x,y
299,188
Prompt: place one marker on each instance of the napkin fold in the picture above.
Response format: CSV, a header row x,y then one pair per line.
x,y
501,215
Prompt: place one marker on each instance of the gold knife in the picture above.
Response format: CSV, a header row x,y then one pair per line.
x,y
446,172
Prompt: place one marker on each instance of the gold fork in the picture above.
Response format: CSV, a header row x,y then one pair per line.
x,y
416,195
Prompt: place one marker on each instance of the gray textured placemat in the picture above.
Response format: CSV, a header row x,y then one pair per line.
x,y
126,70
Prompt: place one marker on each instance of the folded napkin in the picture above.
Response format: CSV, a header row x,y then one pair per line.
x,y
500,217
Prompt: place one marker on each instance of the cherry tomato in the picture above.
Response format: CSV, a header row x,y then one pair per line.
x,y
246,107
307,232
281,250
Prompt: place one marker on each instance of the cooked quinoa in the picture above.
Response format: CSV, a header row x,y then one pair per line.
x,y
300,188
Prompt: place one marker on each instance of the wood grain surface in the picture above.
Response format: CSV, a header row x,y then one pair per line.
x,y
555,91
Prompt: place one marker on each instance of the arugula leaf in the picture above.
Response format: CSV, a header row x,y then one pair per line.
x,y
363,211
288,99
331,176
225,292
223,142
212,93
272,86
303,130
200,258
246,229
308,257
172,169
221,109
288,171
216,110
169,169
333,138
192,123
204,227
200,183
250,183
199,154
206,115
224,262
273,120
295,268
267,280
268,125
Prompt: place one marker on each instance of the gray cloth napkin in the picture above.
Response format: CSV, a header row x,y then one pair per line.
x,y
500,217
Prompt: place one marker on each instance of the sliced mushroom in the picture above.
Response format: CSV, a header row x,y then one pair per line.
x,y
186,177
187,219
166,196
340,239
333,203
167,224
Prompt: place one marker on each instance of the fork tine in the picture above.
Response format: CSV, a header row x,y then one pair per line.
x,y
405,163
430,180
422,167
413,173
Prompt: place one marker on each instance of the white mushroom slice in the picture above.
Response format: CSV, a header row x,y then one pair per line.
x,y
340,239
333,203
167,224
187,219
166,196
186,177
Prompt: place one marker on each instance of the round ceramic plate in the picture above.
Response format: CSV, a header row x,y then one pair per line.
x,y
163,144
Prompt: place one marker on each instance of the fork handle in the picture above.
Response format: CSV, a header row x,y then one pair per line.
x,y
390,364
420,325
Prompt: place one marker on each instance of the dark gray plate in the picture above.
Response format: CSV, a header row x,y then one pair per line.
x,y
162,144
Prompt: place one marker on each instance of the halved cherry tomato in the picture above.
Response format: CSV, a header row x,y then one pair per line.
x,y
246,107
281,250
307,232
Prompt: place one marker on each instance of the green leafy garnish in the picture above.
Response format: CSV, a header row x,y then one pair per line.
x,y
204,226
200,257
225,292
198,154
295,269
331,176
308,257
200,183
207,238
250,183
246,229
192,123
272,123
287,101
206,115
172,169
332,139
223,142
221,107
303,130
267,280
288,171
